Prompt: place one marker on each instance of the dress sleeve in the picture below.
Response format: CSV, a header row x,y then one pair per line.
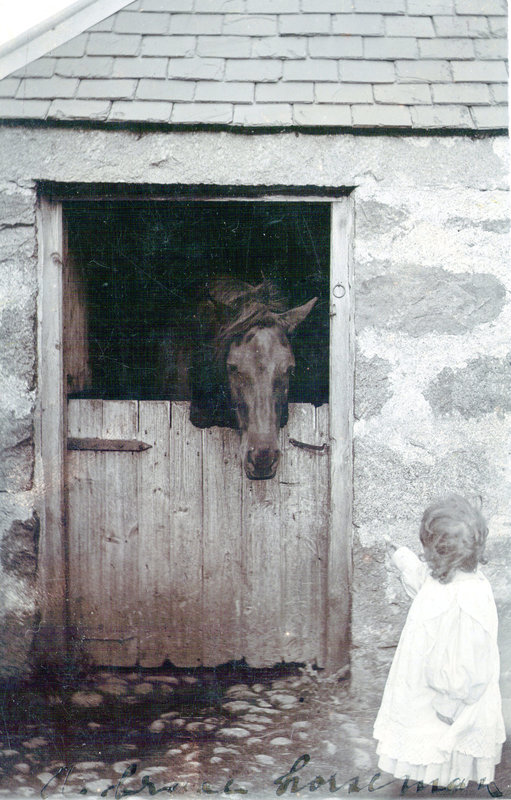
x,y
412,571
458,666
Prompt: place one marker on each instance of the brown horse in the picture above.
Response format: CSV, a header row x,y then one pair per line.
x,y
240,371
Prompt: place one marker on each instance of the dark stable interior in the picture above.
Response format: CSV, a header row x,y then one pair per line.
x,y
143,265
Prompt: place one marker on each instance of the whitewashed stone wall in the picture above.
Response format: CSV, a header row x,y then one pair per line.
x,y
432,316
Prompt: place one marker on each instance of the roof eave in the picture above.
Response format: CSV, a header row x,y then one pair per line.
x,y
55,31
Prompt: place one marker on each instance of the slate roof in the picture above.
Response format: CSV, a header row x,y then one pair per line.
x,y
252,63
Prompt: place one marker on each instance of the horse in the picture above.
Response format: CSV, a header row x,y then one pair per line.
x,y
239,364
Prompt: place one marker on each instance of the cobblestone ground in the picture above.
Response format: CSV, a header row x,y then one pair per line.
x,y
122,734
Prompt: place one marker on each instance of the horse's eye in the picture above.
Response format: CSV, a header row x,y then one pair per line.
x,y
291,371
232,368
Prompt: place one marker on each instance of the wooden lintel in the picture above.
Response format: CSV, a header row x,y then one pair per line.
x,y
122,445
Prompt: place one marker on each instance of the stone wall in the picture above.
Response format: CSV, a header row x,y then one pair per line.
x,y
432,335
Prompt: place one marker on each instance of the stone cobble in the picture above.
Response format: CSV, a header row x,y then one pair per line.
x,y
135,734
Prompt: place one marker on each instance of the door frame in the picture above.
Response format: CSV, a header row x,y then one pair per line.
x,y
52,429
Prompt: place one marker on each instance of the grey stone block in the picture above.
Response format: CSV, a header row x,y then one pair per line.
x,y
274,6
196,68
262,114
35,88
304,24
490,117
375,6
141,22
163,5
485,72
367,71
311,70
479,388
383,115
450,26
361,24
250,25
465,93
372,385
499,92
85,67
431,301
16,209
446,48
328,6
280,47
498,26
284,92
409,26
40,68
224,46
220,6
195,24
330,115
106,25
491,48
475,7
402,93
23,109
8,87
441,117
336,47
423,71
72,49
478,26
113,44
430,7
168,46
205,113
149,89
16,428
79,109
210,92
140,110
114,88
253,70
343,93
140,68
19,548
391,48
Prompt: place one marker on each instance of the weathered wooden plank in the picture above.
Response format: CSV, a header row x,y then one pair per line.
x,y
304,491
103,533
154,535
261,567
85,497
118,531
118,445
185,625
75,321
341,434
50,434
222,546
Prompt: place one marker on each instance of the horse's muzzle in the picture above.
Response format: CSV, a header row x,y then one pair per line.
x,y
261,464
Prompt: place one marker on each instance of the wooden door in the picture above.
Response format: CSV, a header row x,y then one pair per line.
x,y
174,554
144,552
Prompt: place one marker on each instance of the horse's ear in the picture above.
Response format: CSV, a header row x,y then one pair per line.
x,y
292,318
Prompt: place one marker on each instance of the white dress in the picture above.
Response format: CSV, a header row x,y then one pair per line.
x,y
447,661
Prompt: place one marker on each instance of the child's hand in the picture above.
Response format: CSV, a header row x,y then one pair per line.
x,y
389,545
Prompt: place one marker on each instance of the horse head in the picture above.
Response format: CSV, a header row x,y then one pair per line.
x,y
259,362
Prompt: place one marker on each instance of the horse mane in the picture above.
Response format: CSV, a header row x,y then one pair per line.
x,y
245,307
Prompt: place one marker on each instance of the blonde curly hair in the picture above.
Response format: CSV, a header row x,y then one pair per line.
x,y
453,534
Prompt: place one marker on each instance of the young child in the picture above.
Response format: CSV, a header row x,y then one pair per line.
x,y
440,719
